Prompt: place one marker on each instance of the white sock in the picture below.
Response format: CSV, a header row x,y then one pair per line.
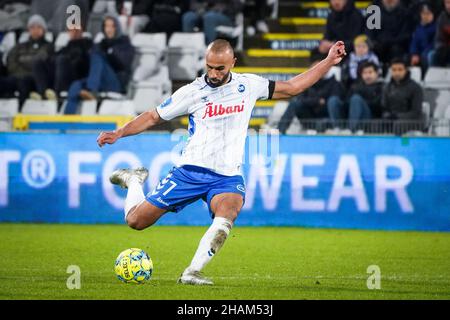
x,y
210,243
135,195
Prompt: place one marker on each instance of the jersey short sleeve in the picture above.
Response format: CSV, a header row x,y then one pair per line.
x,y
176,105
262,88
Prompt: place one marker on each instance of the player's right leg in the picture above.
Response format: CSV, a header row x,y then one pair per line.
x,y
139,213
144,215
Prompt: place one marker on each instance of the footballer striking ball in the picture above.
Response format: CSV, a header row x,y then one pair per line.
x,y
133,265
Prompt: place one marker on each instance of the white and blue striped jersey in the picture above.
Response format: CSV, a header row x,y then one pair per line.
x,y
218,119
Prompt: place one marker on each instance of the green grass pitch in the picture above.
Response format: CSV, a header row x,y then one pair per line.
x,y
255,263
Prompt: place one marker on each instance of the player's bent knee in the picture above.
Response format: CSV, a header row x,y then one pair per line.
x,y
144,216
229,212
134,222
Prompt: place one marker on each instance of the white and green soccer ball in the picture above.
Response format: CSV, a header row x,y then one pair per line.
x,y
133,265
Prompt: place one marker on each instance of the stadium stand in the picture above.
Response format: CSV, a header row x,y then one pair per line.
x,y
151,54
186,55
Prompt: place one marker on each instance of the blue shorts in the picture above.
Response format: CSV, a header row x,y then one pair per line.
x,y
187,184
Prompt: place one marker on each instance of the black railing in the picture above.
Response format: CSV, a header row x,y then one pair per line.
x,y
432,127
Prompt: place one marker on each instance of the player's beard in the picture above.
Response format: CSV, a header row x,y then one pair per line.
x,y
217,82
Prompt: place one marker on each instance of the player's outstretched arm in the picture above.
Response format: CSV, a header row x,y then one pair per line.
x,y
139,124
298,84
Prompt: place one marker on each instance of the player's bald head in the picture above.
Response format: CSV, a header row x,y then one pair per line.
x,y
220,47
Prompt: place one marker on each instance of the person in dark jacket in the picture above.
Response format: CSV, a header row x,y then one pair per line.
x,y
393,38
72,61
441,56
402,99
365,96
209,14
166,16
69,64
109,69
345,22
24,56
322,100
423,38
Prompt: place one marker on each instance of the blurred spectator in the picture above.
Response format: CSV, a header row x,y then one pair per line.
x,y
207,15
257,13
344,23
402,98
134,15
109,69
55,12
99,9
24,57
323,100
362,52
393,38
365,96
423,38
166,16
70,63
441,55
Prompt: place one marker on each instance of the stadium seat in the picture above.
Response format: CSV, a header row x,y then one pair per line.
x,y
8,42
416,74
9,107
437,78
111,95
426,110
40,107
151,54
337,72
439,101
442,125
95,23
61,40
117,107
25,36
186,55
86,108
99,37
278,110
150,93
5,124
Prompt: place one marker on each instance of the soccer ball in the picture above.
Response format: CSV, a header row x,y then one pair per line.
x,y
133,265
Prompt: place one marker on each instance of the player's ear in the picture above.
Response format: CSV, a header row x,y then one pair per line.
x,y
234,62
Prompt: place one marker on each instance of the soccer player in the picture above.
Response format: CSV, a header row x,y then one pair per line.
x,y
219,105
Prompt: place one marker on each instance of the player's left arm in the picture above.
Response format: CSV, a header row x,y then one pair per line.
x,y
301,82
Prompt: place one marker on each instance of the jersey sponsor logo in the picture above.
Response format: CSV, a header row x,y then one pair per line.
x,y
241,88
240,187
166,103
213,110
